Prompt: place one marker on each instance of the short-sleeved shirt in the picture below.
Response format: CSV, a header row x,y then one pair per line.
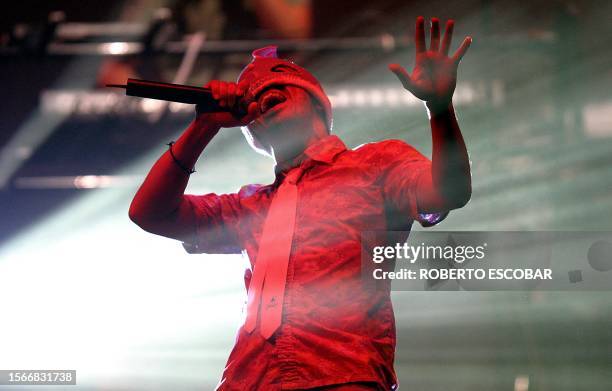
x,y
333,330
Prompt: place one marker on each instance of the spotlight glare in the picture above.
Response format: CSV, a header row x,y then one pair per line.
x,y
117,48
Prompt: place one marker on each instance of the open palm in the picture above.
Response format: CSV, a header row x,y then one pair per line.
x,y
434,76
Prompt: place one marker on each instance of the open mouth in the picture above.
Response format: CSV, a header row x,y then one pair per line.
x,y
270,98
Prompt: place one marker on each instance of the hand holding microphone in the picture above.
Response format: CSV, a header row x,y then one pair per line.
x,y
222,103
229,96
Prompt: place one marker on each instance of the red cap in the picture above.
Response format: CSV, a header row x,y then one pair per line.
x,y
264,71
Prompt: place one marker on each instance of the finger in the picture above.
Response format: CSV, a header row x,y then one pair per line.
x,y
448,37
231,94
223,94
240,89
434,45
252,112
419,35
402,75
462,49
214,88
243,87
253,109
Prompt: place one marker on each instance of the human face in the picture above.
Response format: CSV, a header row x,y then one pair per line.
x,y
287,118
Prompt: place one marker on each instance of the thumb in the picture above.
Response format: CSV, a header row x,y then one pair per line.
x,y
402,74
252,112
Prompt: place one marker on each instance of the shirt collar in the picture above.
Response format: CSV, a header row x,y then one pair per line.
x,y
323,151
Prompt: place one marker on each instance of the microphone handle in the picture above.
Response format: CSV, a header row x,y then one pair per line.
x,y
177,93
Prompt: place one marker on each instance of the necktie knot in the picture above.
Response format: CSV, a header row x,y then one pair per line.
x,y
294,175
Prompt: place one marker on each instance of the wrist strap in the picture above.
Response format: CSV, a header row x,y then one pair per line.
x,y
181,166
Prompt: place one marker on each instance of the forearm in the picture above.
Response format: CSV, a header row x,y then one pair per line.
x,y
162,190
449,184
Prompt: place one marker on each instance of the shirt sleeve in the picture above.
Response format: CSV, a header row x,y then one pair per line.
x,y
402,166
216,219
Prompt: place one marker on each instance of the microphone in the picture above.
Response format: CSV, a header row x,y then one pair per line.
x,y
177,93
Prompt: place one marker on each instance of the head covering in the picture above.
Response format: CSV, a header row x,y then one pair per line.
x,y
266,69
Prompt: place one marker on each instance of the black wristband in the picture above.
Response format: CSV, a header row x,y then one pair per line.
x,y
182,167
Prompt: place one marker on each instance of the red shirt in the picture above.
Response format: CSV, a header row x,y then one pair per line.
x,y
334,330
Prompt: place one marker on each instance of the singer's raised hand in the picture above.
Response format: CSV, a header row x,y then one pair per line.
x,y
229,95
434,76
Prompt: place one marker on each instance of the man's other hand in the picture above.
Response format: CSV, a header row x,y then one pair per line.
x,y
434,76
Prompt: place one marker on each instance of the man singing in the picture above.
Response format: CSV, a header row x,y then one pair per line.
x,y
310,323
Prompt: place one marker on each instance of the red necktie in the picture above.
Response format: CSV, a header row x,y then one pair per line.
x,y
270,272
